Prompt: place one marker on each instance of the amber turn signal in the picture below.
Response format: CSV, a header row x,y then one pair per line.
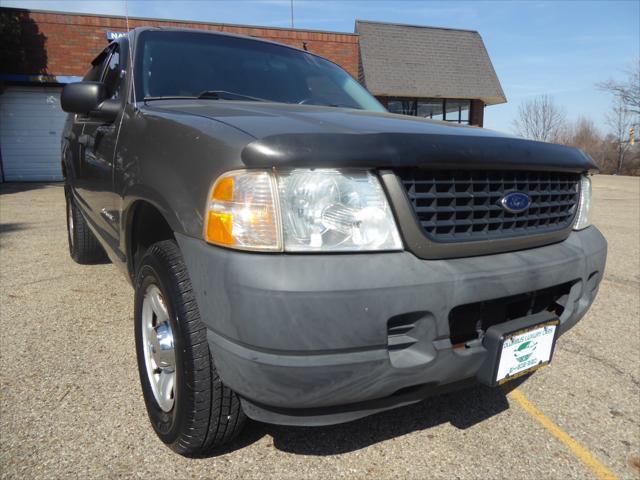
x,y
241,212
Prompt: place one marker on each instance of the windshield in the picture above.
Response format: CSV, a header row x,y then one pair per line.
x,y
186,64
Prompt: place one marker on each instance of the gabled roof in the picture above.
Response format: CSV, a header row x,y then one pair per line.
x,y
413,61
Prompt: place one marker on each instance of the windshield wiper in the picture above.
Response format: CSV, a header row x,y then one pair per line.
x,y
344,105
210,94
170,97
225,95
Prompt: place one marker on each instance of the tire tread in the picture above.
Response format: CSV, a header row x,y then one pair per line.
x,y
214,414
86,249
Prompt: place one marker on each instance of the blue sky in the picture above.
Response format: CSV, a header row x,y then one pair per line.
x,y
560,48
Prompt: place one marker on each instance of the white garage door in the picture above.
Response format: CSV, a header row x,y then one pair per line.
x,y
31,123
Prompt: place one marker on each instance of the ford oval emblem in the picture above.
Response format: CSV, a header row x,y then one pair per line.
x,y
515,202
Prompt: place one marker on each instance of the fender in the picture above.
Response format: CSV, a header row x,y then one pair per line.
x,y
134,197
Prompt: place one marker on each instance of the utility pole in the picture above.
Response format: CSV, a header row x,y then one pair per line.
x,y
291,13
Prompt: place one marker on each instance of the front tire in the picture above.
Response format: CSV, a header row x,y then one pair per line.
x,y
189,407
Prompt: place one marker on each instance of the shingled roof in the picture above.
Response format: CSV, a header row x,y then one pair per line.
x,y
413,61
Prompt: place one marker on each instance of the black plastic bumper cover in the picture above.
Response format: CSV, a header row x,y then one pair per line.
x,y
304,339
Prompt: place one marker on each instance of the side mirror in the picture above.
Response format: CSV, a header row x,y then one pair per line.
x,y
82,97
89,98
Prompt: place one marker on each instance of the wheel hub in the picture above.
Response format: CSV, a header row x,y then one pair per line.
x,y
159,349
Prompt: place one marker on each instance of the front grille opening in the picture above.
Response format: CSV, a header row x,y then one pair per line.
x,y
462,206
469,322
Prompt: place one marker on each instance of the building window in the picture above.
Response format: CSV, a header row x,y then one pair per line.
x,y
457,111
403,106
430,109
448,110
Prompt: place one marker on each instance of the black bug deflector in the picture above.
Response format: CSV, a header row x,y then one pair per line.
x,y
462,148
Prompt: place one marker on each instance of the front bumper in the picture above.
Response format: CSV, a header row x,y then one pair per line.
x,y
306,339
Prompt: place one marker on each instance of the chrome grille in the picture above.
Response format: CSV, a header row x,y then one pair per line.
x,y
458,206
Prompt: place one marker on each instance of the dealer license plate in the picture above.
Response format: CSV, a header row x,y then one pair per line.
x,y
526,350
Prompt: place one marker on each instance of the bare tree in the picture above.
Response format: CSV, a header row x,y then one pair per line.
x,y
540,119
586,136
620,121
628,91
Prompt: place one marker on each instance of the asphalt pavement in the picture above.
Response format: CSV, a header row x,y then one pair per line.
x,y
71,405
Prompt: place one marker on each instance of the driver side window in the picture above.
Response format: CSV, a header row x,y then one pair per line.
x,y
114,74
95,72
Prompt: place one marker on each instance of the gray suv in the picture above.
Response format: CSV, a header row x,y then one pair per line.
x,y
299,255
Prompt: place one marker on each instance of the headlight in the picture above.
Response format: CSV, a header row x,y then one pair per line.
x,y
329,210
301,211
583,218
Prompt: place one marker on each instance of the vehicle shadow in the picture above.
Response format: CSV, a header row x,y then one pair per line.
x,y
19,187
12,227
462,409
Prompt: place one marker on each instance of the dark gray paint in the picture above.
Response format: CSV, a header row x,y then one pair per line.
x,y
268,312
168,153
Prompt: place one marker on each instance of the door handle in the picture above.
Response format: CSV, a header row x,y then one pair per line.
x,y
85,140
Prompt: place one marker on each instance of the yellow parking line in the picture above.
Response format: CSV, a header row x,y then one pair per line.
x,y
578,450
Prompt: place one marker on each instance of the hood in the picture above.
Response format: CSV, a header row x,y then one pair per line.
x,y
313,136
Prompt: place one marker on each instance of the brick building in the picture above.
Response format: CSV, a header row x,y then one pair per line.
x,y
438,73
